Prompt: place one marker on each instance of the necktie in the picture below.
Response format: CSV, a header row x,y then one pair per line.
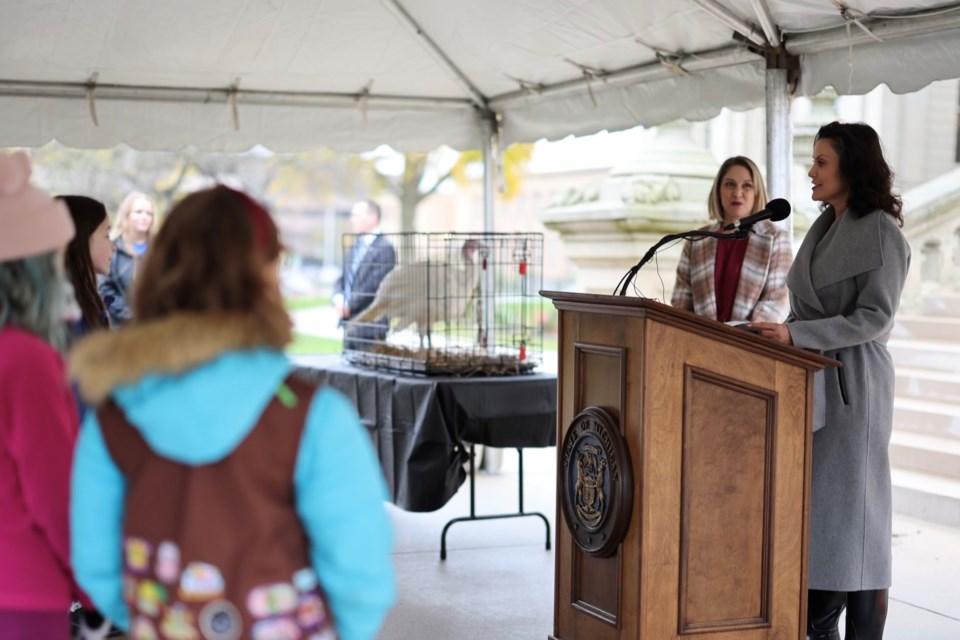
x,y
356,257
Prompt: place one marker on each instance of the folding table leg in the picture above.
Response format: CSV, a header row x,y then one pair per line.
x,y
473,503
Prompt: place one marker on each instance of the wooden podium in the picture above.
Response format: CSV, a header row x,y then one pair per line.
x,y
691,519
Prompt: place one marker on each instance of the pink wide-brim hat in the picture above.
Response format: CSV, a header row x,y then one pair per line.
x,y
31,222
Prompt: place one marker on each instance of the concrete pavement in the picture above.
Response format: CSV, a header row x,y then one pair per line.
x,y
497,581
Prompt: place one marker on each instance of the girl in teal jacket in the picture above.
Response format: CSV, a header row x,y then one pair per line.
x,y
194,378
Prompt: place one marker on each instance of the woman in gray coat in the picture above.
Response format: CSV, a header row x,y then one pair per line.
x,y
845,287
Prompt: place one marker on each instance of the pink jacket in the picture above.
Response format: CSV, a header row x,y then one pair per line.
x,y
38,429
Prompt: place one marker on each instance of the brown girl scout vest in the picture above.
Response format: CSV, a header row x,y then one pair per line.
x,y
217,551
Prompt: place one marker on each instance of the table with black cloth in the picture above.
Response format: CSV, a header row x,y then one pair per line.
x,y
422,427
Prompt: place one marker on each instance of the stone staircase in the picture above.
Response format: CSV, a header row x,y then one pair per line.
x,y
925,446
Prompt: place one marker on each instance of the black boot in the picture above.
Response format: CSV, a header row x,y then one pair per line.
x,y
823,612
866,614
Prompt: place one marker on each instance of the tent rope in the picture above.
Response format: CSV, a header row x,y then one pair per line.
x,y
92,97
363,100
589,74
232,102
850,19
671,60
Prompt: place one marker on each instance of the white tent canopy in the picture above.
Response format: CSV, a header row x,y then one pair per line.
x,y
353,74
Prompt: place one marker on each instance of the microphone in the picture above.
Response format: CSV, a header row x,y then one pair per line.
x,y
775,210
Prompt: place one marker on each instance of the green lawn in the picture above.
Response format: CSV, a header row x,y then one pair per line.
x,y
304,344
297,304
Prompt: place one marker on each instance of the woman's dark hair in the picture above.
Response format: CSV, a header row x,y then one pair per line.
x,y
209,257
87,214
864,170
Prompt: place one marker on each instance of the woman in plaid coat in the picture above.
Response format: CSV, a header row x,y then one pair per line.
x,y
736,280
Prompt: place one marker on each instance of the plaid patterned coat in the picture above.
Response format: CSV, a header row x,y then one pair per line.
x,y
761,293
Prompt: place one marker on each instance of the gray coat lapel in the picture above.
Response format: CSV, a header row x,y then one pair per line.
x,y
799,281
862,232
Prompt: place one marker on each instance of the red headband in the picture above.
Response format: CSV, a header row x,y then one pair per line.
x,y
263,226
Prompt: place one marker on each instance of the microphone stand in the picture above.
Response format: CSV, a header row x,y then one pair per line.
x,y
738,234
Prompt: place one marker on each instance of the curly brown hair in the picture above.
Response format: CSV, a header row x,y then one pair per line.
x,y
868,177
210,257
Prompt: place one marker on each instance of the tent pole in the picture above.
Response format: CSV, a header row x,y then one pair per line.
x,y
489,171
779,133
489,125
779,128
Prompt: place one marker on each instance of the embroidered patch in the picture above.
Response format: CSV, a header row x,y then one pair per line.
x,y
276,629
200,581
168,562
220,620
305,579
137,555
272,600
178,624
311,614
129,589
286,396
143,629
151,596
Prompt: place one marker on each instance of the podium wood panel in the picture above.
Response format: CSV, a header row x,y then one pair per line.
x,y
716,424
599,602
726,488
600,382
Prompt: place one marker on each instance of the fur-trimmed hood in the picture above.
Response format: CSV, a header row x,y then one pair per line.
x,y
192,385
172,345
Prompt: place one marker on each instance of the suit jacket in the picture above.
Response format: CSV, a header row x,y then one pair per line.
x,y
377,261
845,287
761,293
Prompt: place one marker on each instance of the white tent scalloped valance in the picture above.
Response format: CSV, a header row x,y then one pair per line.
x,y
353,74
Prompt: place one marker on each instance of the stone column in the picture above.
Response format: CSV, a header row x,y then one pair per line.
x,y
608,226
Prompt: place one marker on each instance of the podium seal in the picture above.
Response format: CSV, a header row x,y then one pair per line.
x,y
596,482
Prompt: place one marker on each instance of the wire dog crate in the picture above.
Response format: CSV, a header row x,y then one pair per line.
x,y
452,304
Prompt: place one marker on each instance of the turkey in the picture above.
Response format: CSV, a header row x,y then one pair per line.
x,y
423,293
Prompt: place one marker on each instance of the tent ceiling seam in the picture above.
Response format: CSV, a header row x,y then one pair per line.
x,y
81,90
658,70
664,67
479,100
884,28
767,22
723,14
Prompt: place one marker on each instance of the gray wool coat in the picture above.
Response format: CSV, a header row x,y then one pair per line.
x,y
845,287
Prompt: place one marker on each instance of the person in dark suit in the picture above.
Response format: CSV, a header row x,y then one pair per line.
x,y
366,262
845,288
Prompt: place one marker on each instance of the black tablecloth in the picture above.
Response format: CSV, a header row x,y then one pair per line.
x,y
419,424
